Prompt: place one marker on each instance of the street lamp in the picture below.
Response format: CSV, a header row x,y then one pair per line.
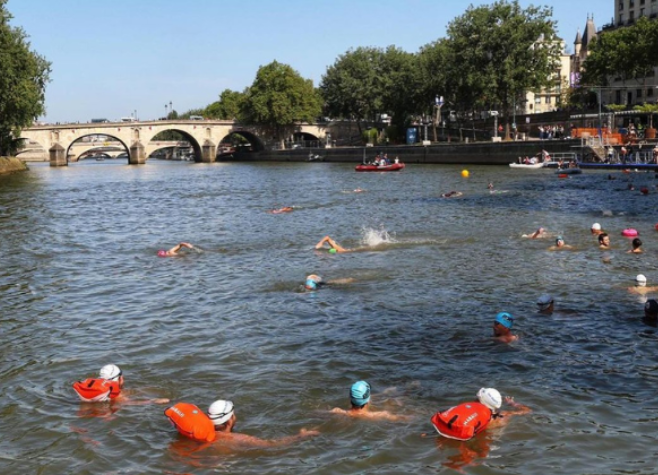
x,y
438,103
171,108
165,112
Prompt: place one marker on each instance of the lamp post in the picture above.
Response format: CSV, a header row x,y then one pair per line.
x,y
165,116
438,103
171,109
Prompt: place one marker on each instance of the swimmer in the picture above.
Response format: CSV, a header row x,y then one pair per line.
x,y
545,304
596,229
636,246
452,194
604,241
502,328
193,423
108,387
360,402
560,245
333,245
358,190
641,286
466,420
540,233
490,186
286,209
174,250
314,282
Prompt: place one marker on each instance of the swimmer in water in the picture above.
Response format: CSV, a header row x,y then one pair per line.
x,y
637,246
540,233
490,186
641,286
452,194
604,241
360,405
545,304
502,328
596,229
314,282
333,245
286,209
651,311
108,387
222,413
560,245
174,250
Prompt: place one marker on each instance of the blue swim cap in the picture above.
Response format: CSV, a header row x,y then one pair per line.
x,y
505,319
360,393
311,284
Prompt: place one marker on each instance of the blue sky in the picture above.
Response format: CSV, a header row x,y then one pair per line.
x,y
111,58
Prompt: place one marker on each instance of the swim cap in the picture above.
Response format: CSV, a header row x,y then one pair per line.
x,y
490,398
220,411
505,319
311,284
651,307
559,238
641,280
332,251
544,301
111,372
596,227
360,393
162,253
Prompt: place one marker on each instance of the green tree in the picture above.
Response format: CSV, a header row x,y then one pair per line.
x,y
228,107
23,78
352,87
649,109
629,53
279,97
498,51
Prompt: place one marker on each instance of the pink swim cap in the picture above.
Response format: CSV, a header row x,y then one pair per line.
x,y
162,253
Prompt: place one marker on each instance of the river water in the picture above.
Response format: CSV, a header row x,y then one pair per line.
x,y
81,287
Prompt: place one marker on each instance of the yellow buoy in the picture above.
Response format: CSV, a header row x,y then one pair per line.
x,y
465,173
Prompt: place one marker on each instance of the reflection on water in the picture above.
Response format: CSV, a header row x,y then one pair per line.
x,y
82,286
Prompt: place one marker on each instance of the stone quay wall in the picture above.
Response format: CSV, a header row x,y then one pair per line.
x,y
480,153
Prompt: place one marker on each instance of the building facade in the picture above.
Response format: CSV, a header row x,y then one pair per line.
x,y
627,11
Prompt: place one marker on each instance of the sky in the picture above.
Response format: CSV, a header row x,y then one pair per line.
x,y
113,59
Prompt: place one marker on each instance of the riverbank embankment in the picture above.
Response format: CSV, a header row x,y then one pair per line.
x,y
479,153
11,165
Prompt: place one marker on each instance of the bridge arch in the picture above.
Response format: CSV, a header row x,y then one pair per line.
x,y
78,139
147,139
243,140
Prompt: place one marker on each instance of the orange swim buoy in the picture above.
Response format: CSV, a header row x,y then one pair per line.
x,y
97,389
191,422
563,175
462,422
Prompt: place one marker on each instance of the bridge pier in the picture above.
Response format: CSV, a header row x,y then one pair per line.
x,y
57,156
137,155
208,152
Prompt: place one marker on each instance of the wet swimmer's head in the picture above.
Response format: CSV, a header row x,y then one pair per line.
x,y
651,309
332,251
505,319
545,303
312,282
111,372
220,412
559,241
596,228
162,253
640,280
360,394
491,398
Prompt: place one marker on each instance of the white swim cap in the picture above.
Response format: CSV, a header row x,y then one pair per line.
x,y
111,372
596,227
544,301
490,398
220,411
641,280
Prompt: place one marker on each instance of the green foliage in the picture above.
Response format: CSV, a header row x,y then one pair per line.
x,y
615,107
23,78
186,115
629,53
496,52
370,136
650,109
173,115
280,97
228,107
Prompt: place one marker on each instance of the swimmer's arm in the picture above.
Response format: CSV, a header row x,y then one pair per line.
x,y
256,442
322,241
127,401
520,409
347,280
186,244
385,415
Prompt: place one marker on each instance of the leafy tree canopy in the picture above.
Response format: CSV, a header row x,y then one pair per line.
x,y
23,78
228,107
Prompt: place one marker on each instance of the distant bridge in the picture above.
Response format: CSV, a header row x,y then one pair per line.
x,y
137,137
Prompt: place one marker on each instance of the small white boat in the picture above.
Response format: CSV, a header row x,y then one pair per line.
x,y
529,166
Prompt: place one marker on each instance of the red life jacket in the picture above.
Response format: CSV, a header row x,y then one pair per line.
x,y
191,422
97,389
462,422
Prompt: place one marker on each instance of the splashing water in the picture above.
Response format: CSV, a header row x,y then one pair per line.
x,y
374,237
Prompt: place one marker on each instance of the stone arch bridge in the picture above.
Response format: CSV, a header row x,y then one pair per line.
x,y
137,137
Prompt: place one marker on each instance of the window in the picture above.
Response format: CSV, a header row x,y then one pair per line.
x,y
548,99
641,2
617,97
649,92
641,12
621,19
631,4
537,99
631,16
638,93
621,6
